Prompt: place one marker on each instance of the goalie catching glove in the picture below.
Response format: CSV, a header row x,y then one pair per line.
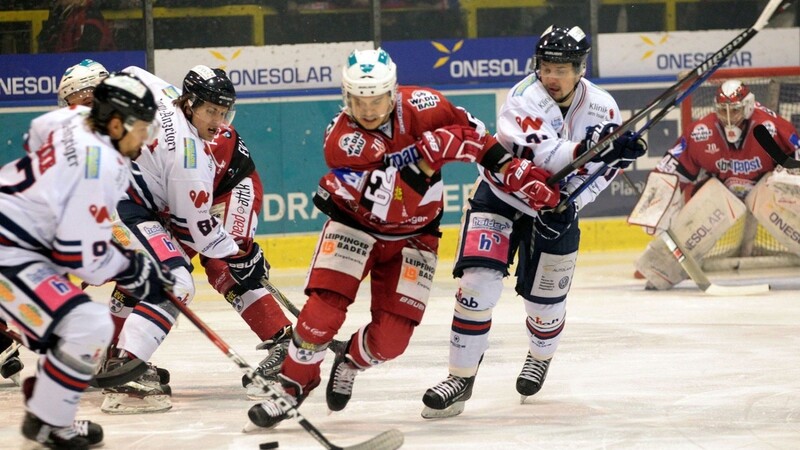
x,y
144,279
452,143
623,150
525,178
249,268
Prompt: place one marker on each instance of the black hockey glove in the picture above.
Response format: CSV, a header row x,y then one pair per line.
x,y
144,279
624,149
551,225
249,268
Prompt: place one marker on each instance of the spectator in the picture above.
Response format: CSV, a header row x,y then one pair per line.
x,y
75,26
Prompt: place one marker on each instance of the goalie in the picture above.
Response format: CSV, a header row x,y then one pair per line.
x,y
715,174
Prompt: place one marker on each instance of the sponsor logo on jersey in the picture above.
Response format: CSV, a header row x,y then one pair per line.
x,y
701,133
171,92
402,158
100,214
488,223
189,153
151,230
528,122
92,162
31,315
712,148
353,144
740,166
6,293
423,100
199,198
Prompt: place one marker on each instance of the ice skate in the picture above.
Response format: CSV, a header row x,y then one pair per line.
x,y
145,394
447,398
269,367
340,382
10,364
531,379
269,413
81,435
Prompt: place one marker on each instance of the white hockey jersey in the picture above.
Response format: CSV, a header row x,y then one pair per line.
x,y
530,124
56,203
43,125
176,176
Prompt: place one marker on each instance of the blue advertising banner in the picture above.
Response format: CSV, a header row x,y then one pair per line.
x,y
33,79
458,61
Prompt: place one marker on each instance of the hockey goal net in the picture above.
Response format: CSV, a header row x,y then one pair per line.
x,y
747,244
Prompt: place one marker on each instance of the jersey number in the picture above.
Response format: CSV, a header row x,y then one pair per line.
x,y
23,165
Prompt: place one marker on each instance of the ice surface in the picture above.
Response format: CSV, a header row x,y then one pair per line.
x,y
635,369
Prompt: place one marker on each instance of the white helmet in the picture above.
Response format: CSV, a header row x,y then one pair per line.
x,y
734,104
83,76
368,73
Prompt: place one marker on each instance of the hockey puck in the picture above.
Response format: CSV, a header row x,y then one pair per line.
x,y
268,445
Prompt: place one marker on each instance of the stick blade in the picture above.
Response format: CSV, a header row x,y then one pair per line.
x,y
129,371
727,291
388,440
774,151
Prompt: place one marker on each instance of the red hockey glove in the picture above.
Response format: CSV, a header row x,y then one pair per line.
x,y
523,177
448,144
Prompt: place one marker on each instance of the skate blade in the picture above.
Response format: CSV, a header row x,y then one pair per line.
x,y
120,404
451,411
15,379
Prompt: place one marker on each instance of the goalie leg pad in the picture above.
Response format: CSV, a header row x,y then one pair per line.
x,y
775,203
659,267
706,217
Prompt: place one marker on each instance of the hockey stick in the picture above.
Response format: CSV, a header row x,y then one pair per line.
x,y
771,147
697,275
389,440
335,345
773,8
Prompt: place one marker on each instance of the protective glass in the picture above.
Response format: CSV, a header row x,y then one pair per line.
x,y
147,130
214,113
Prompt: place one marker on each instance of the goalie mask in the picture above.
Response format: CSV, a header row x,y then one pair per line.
x,y
369,73
78,83
734,105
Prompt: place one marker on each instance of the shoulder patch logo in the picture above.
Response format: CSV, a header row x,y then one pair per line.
x,y
353,143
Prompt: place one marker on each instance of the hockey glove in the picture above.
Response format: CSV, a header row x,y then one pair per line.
x,y
523,177
551,225
144,279
249,268
623,150
448,144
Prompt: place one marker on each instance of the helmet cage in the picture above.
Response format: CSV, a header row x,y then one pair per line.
x,y
80,78
734,104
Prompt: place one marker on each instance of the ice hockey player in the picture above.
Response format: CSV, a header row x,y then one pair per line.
x,y
549,118
709,180
236,202
383,197
78,82
174,184
56,205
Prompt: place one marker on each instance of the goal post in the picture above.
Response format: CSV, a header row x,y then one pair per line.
x,y
747,245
